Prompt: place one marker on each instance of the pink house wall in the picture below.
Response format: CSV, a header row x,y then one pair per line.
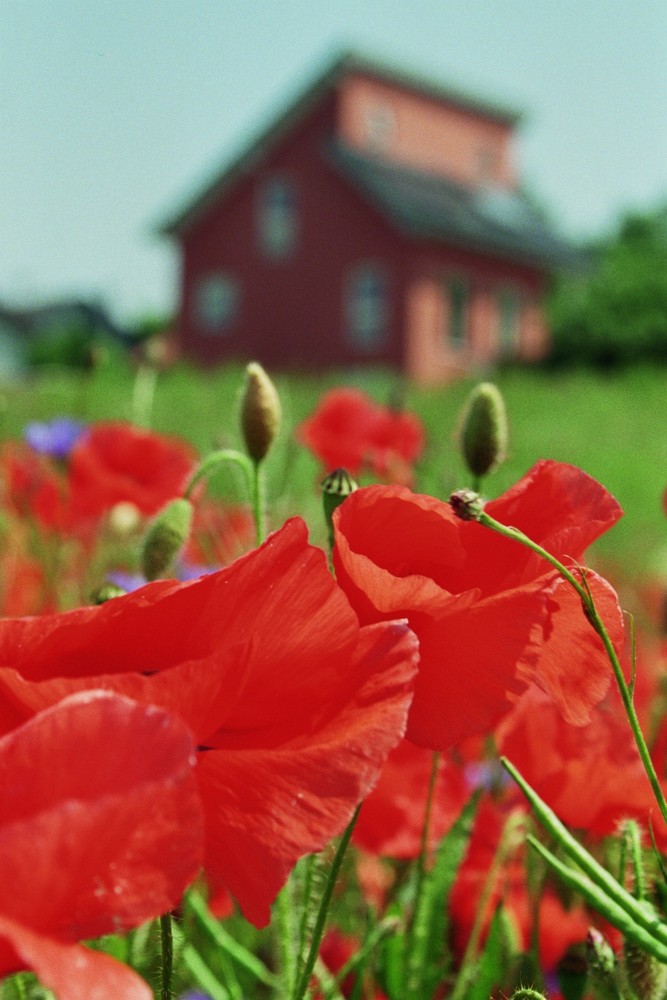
x,y
423,133
429,355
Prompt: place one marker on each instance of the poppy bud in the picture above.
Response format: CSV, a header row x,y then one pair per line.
x,y
601,961
484,429
335,488
165,538
644,974
260,412
467,505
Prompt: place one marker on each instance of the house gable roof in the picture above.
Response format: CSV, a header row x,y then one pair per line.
x,y
344,65
430,207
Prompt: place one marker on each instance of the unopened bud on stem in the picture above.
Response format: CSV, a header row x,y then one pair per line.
x,y
165,538
484,431
335,488
467,505
644,974
260,412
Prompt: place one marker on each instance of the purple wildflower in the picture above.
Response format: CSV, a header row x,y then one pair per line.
x,y
54,437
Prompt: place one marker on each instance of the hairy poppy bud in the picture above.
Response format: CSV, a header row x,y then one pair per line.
x,y
165,538
601,961
644,974
467,505
484,429
335,488
260,412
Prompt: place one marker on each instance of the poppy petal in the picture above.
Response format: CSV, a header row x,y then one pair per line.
x,y
71,971
265,808
106,788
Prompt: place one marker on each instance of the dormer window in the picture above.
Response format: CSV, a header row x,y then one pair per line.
x,y
277,217
380,125
487,164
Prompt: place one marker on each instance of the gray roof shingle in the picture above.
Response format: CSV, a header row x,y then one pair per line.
x,y
429,206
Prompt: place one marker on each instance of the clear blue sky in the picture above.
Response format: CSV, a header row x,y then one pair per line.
x,y
113,111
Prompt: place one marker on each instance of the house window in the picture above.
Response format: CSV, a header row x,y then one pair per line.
x,y
277,217
509,314
216,303
380,125
487,164
367,307
456,292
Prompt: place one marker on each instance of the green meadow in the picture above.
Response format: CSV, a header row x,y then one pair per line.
x,y
612,425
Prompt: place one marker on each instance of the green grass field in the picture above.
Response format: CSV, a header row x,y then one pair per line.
x,y
612,425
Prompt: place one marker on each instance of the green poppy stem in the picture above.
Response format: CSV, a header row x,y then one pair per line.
x,y
594,618
257,494
214,461
419,927
507,844
167,957
325,902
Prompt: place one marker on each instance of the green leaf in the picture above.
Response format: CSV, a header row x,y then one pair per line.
x,y
493,962
428,957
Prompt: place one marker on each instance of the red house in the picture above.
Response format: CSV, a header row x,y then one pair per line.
x,y
377,220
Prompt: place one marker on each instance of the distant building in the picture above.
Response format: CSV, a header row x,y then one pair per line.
x,y
63,332
377,220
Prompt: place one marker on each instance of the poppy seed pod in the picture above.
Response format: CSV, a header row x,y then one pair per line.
x,y
484,431
260,412
165,538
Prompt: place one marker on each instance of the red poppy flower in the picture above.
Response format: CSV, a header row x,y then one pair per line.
x,y
558,927
101,830
34,489
558,760
115,462
490,614
293,705
350,430
392,819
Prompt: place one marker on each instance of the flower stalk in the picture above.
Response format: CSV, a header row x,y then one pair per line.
x,y
596,622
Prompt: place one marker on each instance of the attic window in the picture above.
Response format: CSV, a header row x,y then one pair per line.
x,y
380,125
216,303
277,217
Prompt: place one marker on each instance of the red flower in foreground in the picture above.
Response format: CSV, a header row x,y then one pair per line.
x,y
114,462
392,819
490,614
100,830
293,706
558,760
350,430
34,488
558,927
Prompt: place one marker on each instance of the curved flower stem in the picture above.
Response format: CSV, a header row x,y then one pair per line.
x,y
593,617
594,882
213,462
252,472
167,966
318,931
